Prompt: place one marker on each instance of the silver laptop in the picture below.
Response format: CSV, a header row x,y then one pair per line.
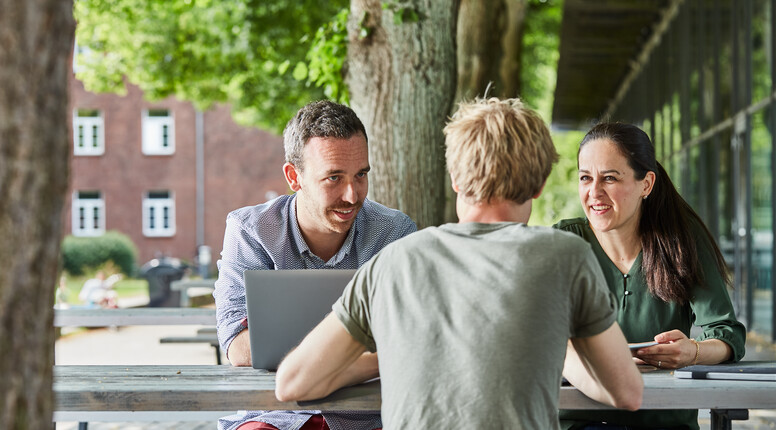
x,y
284,305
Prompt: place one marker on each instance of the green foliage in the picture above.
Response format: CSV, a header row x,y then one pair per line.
x,y
82,253
541,41
560,199
204,51
326,59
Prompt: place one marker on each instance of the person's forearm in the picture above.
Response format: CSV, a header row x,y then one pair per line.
x,y
363,369
327,359
602,368
713,351
577,373
239,352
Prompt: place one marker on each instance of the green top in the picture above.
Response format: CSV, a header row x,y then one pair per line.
x,y
642,316
471,323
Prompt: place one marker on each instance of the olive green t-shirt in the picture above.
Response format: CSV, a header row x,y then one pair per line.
x,y
642,316
471,322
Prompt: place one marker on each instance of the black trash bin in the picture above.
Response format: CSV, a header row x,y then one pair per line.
x,y
160,272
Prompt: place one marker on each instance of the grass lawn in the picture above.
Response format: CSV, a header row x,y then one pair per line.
x,y
127,287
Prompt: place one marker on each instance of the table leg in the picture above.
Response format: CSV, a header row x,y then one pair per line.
x,y
184,298
722,419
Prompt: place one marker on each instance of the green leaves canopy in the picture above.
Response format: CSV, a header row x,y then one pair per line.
x,y
243,52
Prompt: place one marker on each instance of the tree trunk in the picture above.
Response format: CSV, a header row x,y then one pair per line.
x,y
489,44
402,81
36,39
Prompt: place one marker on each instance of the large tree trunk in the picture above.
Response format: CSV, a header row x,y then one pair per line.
x,y
36,38
402,82
489,40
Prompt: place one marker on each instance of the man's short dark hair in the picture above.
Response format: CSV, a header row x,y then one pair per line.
x,y
319,119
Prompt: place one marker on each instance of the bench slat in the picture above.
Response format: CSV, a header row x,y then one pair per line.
x,y
134,316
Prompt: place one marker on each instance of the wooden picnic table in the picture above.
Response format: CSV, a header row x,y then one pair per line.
x,y
221,390
184,285
76,317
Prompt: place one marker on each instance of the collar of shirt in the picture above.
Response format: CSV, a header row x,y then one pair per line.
x,y
304,249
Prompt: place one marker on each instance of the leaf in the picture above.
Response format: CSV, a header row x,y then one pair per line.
x,y
283,67
300,71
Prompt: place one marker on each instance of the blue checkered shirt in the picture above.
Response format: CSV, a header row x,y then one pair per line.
x,y
267,236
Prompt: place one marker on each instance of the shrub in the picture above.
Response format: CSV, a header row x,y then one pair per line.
x,y
80,253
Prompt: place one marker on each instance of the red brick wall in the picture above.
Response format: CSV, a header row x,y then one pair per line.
x,y
241,165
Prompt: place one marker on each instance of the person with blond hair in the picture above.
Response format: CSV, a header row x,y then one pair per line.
x,y
472,320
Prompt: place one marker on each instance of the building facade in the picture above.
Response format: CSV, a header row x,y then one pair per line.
x,y
163,173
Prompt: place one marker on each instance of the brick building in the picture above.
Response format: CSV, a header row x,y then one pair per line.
x,y
141,168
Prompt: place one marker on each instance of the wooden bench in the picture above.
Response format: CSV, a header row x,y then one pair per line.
x,y
204,335
134,316
98,317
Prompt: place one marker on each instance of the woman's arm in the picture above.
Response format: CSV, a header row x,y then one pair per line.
x,y
677,350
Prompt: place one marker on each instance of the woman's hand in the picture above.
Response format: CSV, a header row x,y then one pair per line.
x,y
674,350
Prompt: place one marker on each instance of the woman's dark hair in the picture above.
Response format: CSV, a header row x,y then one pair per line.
x,y
669,253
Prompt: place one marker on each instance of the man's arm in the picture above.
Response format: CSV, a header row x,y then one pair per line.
x,y
239,352
601,366
328,358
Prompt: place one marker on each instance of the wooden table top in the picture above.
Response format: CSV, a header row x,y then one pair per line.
x,y
226,388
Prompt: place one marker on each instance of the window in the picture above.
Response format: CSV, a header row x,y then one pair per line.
x,y
158,132
88,135
158,214
80,54
88,213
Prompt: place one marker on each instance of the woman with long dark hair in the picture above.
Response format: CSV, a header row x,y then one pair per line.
x,y
660,261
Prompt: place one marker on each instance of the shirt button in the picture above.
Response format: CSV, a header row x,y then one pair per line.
x,y
626,276
628,293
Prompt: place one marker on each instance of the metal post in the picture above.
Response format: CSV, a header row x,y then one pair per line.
x,y
703,150
747,168
199,128
772,110
717,117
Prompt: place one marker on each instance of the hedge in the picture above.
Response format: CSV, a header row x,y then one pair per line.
x,y
81,253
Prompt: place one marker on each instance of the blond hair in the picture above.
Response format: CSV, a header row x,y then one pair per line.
x,y
498,149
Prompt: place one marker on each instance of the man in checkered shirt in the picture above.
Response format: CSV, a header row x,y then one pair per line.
x,y
327,224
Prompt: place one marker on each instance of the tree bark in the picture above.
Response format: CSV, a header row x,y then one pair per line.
x,y
36,39
402,81
490,40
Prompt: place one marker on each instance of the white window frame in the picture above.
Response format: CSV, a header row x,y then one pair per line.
x,y
85,207
81,51
88,133
158,130
154,212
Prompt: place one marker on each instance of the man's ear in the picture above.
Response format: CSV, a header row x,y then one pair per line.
x,y
292,176
536,196
452,181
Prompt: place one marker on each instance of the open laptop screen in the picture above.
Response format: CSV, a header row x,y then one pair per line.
x,y
284,305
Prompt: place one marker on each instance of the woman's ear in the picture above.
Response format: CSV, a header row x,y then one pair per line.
x,y
649,183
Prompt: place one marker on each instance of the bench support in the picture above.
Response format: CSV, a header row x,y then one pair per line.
x,y
722,419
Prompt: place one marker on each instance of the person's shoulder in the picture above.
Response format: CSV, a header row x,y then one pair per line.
x,y
377,214
573,225
562,239
271,211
